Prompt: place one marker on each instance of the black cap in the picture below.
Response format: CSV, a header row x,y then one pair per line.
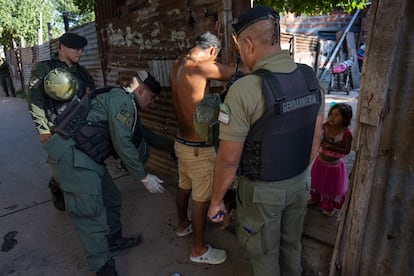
x,y
147,79
73,41
252,16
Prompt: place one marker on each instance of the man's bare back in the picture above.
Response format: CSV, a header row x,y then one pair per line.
x,y
189,76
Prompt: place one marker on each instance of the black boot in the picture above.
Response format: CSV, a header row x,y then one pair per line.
x,y
117,243
57,195
108,269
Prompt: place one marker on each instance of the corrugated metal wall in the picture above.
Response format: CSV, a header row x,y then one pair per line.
x,y
10,55
305,49
150,35
90,58
27,63
43,52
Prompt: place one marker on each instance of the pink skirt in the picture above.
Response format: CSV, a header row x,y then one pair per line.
x,y
329,183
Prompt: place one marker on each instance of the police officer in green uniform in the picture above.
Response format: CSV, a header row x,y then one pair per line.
x,y
266,136
5,78
44,106
91,196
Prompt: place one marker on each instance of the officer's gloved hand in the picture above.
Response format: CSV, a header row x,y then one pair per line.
x,y
153,184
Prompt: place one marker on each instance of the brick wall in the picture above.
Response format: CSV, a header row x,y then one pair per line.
x,y
311,25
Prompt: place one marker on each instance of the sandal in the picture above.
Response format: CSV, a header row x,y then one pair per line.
x,y
212,256
187,231
328,213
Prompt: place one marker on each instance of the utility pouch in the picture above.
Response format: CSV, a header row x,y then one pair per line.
x,y
94,140
205,118
250,235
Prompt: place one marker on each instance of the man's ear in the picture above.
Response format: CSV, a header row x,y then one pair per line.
x,y
213,51
249,44
141,90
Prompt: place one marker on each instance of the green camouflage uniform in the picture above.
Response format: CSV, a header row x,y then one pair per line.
x,y
91,196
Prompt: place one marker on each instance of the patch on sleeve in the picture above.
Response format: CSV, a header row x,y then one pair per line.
x,y
224,115
33,82
126,118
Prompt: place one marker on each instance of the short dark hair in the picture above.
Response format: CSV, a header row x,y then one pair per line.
x,y
207,40
346,112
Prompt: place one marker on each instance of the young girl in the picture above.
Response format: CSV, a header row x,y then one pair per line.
x,y
329,178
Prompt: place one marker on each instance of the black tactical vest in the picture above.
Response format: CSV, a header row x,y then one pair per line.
x,y
93,138
278,146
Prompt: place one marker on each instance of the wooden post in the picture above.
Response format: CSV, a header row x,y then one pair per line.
x,y
226,19
376,79
351,49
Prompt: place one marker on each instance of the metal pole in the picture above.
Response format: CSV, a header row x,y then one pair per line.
x,y
19,63
66,20
226,33
338,46
40,31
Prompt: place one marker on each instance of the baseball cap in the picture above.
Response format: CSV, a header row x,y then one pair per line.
x,y
73,40
252,16
146,78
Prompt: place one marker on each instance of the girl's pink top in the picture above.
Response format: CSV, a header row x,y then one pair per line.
x,y
337,140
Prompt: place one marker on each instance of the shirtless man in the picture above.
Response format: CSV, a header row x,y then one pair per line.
x,y
189,77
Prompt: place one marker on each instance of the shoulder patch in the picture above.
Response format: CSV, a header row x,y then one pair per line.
x,y
33,82
126,118
224,115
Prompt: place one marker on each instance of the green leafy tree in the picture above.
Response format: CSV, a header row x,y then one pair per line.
x,y
85,6
20,19
78,12
313,7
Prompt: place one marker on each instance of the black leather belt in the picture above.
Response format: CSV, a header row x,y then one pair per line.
x,y
193,144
